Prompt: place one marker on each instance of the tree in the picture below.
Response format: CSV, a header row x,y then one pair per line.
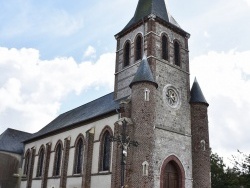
x,y
217,171
241,166
225,177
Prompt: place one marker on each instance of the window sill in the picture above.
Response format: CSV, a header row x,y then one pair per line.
x,y
102,173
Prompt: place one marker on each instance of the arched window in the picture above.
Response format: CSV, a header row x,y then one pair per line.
x,y
105,152
176,53
57,160
138,48
164,43
27,163
78,156
40,162
127,54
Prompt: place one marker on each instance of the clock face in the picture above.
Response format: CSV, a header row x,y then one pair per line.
x,y
171,96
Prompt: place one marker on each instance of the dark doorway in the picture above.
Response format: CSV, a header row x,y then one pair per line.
x,y
171,177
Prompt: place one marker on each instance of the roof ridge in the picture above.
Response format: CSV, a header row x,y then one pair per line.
x,y
85,104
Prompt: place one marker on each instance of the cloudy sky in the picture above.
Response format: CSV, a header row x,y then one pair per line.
x,y
56,55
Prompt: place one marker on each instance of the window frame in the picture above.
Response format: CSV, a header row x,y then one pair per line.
x,y
138,46
58,162
40,163
27,162
165,47
79,160
126,53
102,150
177,53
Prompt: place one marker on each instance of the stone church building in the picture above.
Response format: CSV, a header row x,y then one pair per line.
x,y
151,132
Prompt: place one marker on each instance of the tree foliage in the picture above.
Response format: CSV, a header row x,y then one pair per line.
x,y
237,176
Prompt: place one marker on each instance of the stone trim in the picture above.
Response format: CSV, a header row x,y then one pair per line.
x,y
101,173
173,131
54,177
179,167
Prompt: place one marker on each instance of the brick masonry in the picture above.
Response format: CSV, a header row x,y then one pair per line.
x,y
64,169
161,130
200,148
86,180
46,165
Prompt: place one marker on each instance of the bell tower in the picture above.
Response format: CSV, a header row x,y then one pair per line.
x,y
152,73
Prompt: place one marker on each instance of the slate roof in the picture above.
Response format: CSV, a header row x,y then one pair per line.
x,y
143,73
11,141
196,94
147,7
93,109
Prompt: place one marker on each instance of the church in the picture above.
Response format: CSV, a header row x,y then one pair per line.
x,y
151,132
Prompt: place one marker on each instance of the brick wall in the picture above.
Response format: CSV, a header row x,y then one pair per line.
x,y
200,146
143,117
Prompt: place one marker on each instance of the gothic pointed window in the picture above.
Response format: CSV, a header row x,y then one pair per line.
x,y
105,151
57,160
138,48
41,156
176,53
164,43
78,156
126,54
27,163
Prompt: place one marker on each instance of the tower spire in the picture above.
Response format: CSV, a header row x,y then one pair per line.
x,y
148,7
196,94
144,73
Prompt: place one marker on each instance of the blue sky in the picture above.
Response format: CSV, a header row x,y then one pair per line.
x,y
52,51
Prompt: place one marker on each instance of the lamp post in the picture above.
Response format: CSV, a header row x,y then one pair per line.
x,y
124,141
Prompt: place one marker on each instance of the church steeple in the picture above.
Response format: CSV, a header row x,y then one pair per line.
x,y
144,34
147,7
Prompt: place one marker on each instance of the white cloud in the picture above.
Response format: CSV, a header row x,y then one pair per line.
x,y
90,52
225,80
32,89
206,34
247,1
